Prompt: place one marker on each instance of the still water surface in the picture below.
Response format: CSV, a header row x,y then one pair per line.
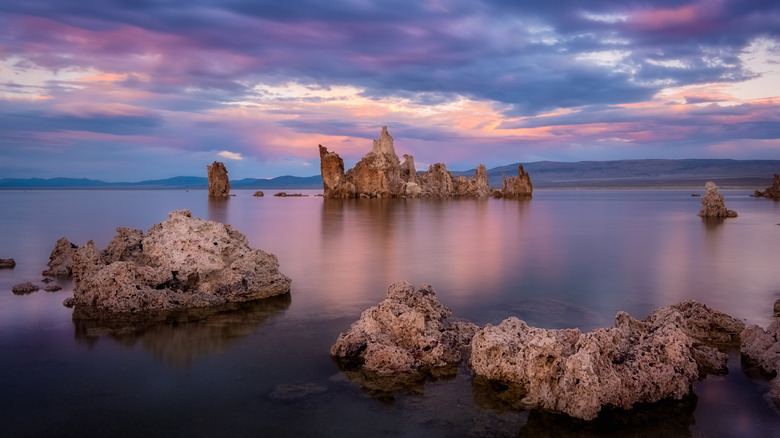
x,y
563,259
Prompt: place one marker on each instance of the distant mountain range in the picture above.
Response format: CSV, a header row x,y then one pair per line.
x,y
690,173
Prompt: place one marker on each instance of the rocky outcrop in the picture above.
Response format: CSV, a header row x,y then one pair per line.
x,y
61,259
515,186
219,184
761,348
404,334
24,288
180,263
380,174
259,194
770,192
578,373
712,203
290,195
7,263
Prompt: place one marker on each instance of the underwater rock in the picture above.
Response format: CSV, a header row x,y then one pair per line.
x,y
712,203
219,184
182,262
405,333
61,259
24,288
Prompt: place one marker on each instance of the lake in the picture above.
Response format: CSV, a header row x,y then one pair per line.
x,y
562,259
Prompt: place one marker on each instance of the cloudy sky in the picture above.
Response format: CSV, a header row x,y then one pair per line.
x,y
127,90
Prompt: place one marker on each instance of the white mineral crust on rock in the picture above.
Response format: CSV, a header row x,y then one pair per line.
x,y
182,262
578,373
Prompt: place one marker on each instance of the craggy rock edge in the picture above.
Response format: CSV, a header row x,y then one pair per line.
x,y
556,370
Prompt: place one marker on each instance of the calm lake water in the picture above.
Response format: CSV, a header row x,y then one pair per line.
x,y
562,259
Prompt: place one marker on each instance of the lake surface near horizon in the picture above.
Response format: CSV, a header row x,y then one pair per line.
x,y
562,259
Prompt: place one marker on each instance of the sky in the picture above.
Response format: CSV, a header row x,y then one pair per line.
x,y
131,90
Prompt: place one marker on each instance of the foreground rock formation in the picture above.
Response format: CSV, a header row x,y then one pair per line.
x,y
770,192
564,371
712,204
762,348
405,333
219,184
61,259
182,262
579,373
380,174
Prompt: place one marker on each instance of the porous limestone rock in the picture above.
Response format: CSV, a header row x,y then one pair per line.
x,y
712,203
7,263
61,259
578,373
380,174
772,192
762,348
219,184
24,288
182,262
405,333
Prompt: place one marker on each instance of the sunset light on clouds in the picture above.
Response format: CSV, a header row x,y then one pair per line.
x,y
126,91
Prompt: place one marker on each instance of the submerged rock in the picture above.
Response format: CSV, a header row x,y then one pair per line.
x,y
772,192
182,262
405,333
380,174
219,184
24,288
713,204
61,259
579,373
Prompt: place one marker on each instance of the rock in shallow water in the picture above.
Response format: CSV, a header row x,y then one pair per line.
x,y
405,333
579,373
182,262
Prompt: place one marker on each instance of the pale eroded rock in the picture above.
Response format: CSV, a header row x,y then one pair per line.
x,y
182,262
772,192
405,333
61,259
712,204
762,348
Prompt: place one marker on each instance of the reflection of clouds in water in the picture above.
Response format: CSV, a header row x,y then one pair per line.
x,y
180,337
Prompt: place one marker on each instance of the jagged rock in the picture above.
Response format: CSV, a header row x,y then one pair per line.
x,y
762,348
7,263
712,203
182,262
515,186
770,192
61,259
24,288
578,373
405,333
259,193
219,184
380,174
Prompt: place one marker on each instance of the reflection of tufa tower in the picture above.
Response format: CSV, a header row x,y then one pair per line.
x,y
219,184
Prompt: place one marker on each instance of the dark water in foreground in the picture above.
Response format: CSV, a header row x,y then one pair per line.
x,y
563,259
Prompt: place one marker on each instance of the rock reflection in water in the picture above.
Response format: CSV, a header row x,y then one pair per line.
x,y
667,418
179,337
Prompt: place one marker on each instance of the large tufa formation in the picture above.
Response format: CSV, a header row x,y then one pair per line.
x,y
61,259
219,184
770,192
712,204
634,362
182,262
515,186
762,348
381,174
405,333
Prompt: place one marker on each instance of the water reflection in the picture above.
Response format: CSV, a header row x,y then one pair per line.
x,y
180,337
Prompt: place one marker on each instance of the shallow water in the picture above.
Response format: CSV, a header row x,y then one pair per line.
x,y
562,259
